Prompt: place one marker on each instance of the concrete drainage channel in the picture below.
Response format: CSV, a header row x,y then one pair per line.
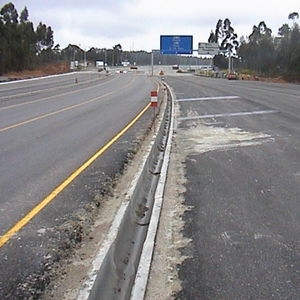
x,y
114,270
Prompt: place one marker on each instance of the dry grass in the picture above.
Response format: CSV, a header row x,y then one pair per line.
x,y
50,69
264,79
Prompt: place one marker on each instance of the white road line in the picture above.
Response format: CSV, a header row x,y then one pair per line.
x,y
269,91
39,78
212,123
207,98
244,113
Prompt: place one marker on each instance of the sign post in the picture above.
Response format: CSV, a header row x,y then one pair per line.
x,y
152,63
153,104
153,98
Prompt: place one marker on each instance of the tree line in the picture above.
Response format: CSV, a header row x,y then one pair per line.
x,y
261,52
21,45
24,47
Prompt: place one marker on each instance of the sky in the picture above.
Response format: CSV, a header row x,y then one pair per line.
x,y
138,24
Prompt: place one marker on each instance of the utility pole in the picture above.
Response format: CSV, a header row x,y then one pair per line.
x,y
84,54
229,63
152,62
105,58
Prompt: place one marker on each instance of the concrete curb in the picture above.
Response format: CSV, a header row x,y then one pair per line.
x,y
141,279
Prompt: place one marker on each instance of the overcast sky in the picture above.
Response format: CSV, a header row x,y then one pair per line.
x,y
138,24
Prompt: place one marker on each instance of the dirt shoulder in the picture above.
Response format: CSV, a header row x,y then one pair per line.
x,y
49,69
263,79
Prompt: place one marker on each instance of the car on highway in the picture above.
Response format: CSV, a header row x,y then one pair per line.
x,y
232,76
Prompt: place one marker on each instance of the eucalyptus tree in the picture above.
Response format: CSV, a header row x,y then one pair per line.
x,y
9,14
20,44
26,53
289,48
294,52
259,53
293,16
229,42
2,46
44,37
116,55
225,36
44,43
282,47
284,31
9,35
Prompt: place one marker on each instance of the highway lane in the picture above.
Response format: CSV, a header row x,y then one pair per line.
x,y
29,109
236,163
264,93
44,138
28,100
43,142
33,86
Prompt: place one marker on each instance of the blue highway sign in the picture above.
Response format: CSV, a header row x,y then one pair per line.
x,y
176,44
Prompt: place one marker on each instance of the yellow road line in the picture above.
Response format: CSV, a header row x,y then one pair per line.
x,y
54,112
50,97
60,110
20,224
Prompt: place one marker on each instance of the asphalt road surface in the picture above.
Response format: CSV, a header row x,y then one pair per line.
x,y
239,143
48,129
